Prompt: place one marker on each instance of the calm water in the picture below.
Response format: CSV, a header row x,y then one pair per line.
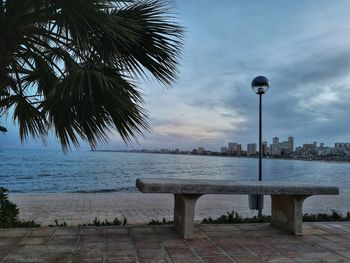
x,y
51,171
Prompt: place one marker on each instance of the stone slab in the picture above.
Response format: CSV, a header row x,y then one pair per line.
x,y
198,186
323,242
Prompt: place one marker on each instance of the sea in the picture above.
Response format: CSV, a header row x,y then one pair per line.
x,y
52,171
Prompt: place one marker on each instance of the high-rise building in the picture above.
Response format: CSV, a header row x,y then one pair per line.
x,y
239,150
232,148
223,150
291,143
200,150
282,148
251,149
264,149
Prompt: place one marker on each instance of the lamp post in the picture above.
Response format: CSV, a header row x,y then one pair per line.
x,y
260,85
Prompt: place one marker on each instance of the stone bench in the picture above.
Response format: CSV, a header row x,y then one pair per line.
x,y
286,198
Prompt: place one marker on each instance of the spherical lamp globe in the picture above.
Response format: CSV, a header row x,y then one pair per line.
x,y
260,85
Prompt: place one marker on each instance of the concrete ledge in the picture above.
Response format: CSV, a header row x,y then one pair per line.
x,y
191,186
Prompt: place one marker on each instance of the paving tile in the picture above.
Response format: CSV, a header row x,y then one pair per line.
x,y
14,233
143,230
41,232
144,244
112,245
207,251
145,236
25,253
332,246
199,242
154,254
55,256
34,241
247,259
216,259
63,240
278,259
234,249
187,260
66,231
160,260
180,252
162,244
116,230
345,254
330,258
174,243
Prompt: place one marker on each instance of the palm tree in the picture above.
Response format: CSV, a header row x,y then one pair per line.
x,y
71,66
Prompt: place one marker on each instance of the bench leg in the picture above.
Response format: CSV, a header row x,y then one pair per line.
x,y
184,213
286,212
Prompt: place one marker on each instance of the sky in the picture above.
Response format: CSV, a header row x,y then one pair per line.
x,y
302,47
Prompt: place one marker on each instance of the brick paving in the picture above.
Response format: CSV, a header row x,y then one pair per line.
x,y
137,208
321,242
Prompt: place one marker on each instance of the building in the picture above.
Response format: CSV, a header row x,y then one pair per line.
x,y
239,150
201,150
232,148
251,149
307,151
324,151
264,149
282,148
291,143
223,150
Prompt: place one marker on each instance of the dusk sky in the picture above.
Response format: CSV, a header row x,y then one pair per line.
x,y
302,47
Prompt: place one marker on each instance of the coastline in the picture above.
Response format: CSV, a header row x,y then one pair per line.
x,y
230,156
138,208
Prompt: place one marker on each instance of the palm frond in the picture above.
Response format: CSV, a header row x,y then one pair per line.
x,y
3,129
71,66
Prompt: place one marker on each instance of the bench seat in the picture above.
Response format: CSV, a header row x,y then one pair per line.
x,y
286,198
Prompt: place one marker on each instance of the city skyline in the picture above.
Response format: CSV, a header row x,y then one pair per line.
x,y
226,46
233,146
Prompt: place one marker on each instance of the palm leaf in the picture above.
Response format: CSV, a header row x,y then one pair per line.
x,y
71,66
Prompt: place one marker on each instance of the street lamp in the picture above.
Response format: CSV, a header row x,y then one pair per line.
x,y
260,85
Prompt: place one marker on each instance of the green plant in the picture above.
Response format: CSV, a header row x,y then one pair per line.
x,y
322,217
8,210
57,224
163,222
9,213
235,218
115,222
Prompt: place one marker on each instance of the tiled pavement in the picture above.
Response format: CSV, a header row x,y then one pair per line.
x,y
321,242
82,208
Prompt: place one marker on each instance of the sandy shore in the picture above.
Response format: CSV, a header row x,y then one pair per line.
x,y
137,208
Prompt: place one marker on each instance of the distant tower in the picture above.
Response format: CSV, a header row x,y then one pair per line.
x,y
251,149
232,147
264,148
291,143
275,140
239,149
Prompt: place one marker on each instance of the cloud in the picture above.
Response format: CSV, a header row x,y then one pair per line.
x,y
305,54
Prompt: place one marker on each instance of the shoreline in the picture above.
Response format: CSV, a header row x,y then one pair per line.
x,y
230,156
139,208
